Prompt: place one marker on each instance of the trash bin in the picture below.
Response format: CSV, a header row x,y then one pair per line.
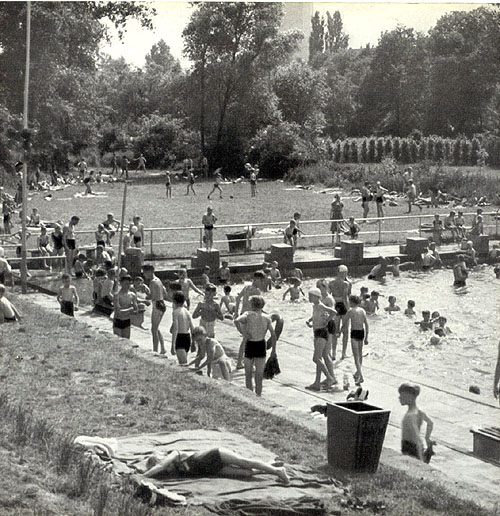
x,y
237,242
355,434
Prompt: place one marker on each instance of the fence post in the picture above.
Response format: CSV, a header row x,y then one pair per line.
x,y
379,231
420,226
496,224
201,238
151,243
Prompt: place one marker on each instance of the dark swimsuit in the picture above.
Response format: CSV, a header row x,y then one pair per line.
x,y
121,323
358,334
183,341
255,349
409,448
68,308
203,464
71,243
321,333
340,307
137,239
209,227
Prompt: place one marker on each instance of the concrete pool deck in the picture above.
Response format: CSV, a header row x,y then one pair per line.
x,y
454,412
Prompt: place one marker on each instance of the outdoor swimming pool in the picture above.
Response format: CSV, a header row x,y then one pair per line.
x,y
397,345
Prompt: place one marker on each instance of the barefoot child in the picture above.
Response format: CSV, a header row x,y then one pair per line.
x,y
182,328
254,326
411,441
125,305
208,220
294,290
319,323
68,296
275,274
187,285
356,317
205,277
224,273
214,352
208,311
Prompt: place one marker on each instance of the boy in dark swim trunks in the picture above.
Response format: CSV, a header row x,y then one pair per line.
x,y
182,328
411,442
356,317
68,296
319,323
254,325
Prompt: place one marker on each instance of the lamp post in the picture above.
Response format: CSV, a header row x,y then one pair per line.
x,y
24,267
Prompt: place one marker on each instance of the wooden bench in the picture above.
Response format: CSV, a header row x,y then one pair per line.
x,y
486,444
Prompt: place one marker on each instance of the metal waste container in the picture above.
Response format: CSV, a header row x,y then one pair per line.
x,y
237,242
355,435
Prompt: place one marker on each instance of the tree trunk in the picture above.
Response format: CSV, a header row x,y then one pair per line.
x,y
202,106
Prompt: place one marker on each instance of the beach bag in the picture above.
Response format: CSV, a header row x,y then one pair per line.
x,y
272,367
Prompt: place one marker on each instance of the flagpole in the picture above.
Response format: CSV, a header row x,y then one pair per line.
x,y
24,268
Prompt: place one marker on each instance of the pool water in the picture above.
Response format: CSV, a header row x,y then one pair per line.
x,y
466,357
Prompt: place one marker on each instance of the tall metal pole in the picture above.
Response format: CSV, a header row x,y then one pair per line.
x,y
24,268
122,224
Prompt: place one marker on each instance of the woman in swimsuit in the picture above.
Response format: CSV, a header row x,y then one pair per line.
x,y
125,303
69,242
214,462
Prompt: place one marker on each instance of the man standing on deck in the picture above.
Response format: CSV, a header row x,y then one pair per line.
x,y
340,288
158,306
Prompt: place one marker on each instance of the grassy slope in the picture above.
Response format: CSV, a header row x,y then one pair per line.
x,y
76,381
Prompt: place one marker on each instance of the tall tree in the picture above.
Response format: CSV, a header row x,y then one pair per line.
x,y
317,37
232,45
392,94
65,39
465,72
335,38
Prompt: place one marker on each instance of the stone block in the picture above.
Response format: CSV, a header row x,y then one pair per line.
x,y
210,258
352,251
415,246
481,244
283,254
133,260
337,252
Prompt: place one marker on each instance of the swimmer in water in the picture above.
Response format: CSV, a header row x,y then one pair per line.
x,y
371,304
392,307
460,272
441,330
409,311
426,323
294,289
378,272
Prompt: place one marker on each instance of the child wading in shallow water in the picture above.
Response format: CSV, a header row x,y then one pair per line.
x,y
411,441
356,317
67,296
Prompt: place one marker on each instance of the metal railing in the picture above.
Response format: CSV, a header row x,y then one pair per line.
x,y
374,236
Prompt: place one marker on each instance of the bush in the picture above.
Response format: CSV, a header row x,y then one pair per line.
x,y
279,148
164,139
387,147
372,150
396,149
380,150
353,154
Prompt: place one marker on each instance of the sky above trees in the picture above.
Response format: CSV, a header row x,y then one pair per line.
x,y
363,22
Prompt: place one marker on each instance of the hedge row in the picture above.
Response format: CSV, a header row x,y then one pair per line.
x,y
483,150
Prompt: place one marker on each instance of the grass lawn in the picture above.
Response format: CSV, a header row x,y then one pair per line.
x,y
59,378
276,202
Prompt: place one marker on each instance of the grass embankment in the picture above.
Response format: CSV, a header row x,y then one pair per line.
x,y
60,378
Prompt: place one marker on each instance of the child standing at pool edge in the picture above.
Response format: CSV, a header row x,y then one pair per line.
x,y
411,442
356,317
